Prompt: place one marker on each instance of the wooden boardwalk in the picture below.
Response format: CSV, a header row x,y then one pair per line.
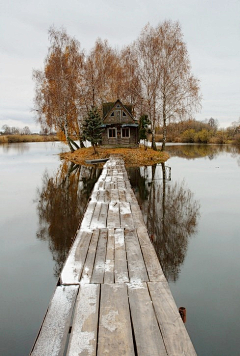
x,y
113,298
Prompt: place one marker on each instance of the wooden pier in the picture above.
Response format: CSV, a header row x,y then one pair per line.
x,y
113,298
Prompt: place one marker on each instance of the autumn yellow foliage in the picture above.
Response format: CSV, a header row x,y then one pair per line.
x,y
131,156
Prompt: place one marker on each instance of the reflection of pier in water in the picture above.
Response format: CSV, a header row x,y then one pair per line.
x,y
112,296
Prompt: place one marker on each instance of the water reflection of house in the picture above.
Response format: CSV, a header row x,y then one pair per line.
x,y
120,127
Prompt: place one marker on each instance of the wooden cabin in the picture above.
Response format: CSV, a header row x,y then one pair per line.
x,y
120,128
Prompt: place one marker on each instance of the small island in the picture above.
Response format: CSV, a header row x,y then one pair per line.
x,y
131,156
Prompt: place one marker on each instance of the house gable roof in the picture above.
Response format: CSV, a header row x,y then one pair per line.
x,y
108,108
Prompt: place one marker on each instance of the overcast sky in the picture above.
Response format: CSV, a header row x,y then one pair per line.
x,y
211,31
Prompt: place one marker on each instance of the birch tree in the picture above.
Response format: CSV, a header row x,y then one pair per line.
x,y
103,75
179,91
146,52
170,90
57,96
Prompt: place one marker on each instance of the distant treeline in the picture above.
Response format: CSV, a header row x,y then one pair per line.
x,y
193,131
190,131
11,134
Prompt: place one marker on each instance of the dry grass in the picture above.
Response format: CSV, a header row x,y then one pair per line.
x,y
26,138
131,156
3,139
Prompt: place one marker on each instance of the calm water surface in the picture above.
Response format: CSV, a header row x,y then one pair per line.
x,y
192,213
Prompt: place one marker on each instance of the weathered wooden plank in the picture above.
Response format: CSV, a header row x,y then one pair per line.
x,y
109,264
137,214
114,195
121,184
83,338
175,336
129,196
86,221
121,270
95,216
101,196
126,216
102,221
99,184
136,266
128,185
99,265
107,186
146,330
89,263
53,334
113,219
152,263
104,171
94,196
115,334
122,195
99,218
107,196
109,177
71,272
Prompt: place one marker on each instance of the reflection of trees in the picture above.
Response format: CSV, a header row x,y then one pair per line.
x,y
139,180
61,205
18,147
171,215
236,154
191,151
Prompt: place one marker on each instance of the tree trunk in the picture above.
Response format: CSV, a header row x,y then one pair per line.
x,y
74,143
164,135
145,146
67,137
164,124
81,143
154,146
94,148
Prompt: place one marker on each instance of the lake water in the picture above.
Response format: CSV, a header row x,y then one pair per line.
x,y
190,206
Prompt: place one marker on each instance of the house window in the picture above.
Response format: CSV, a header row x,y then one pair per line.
x,y
124,114
111,133
112,114
125,132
